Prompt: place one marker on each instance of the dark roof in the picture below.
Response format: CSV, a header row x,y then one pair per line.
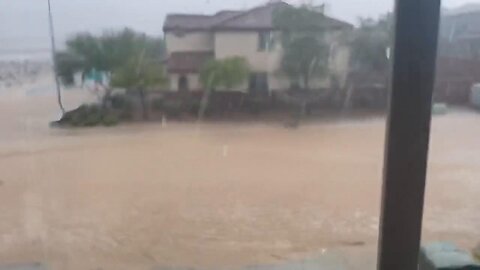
x,y
192,22
259,18
187,22
180,62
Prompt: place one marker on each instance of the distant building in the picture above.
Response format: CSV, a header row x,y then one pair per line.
x,y
194,39
458,65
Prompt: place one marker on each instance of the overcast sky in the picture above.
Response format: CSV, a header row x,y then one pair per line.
x,y
24,22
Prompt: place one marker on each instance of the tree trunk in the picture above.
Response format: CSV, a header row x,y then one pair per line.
x,y
306,82
204,104
205,98
347,102
143,101
106,98
304,99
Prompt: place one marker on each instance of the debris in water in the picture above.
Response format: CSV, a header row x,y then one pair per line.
x,y
353,243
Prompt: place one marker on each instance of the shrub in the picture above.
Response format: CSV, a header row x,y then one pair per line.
x,y
85,115
93,117
173,107
157,104
76,120
121,102
110,119
76,117
194,106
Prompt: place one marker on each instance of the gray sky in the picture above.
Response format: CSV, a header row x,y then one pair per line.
x,y
23,23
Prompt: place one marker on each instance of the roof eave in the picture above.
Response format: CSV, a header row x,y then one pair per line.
x,y
189,29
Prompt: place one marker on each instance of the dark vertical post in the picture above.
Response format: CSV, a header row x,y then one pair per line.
x,y
52,41
408,132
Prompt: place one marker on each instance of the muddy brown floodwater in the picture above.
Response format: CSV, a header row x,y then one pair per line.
x,y
215,195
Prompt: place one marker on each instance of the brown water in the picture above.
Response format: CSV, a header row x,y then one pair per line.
x,y
214,195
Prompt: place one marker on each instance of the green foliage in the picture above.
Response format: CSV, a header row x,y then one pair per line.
x,y
173,107
226,73
235,72
122,104
88,116
157,104
106,53
369,44
93,117
110,119
305,49
139,73
67,65
304,58
297,22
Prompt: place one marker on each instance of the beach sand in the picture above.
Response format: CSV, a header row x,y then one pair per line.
x,y
216,195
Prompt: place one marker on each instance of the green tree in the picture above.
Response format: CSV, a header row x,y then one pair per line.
x,y
303,39
226,73
305,58
140,75
369,61
104,54
370,43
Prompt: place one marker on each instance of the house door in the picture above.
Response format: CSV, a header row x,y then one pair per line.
x,y
258,84
183,84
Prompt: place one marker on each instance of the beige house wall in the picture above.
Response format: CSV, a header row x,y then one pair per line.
x,y
245,44
190,41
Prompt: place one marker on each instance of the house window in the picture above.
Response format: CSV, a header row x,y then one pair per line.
x,y
265,41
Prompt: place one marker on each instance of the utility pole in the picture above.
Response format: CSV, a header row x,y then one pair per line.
x,y
52,40
408,133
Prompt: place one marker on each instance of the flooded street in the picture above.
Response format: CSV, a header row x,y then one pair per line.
x,y
214,195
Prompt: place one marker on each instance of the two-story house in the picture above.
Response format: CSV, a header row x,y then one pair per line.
x,y
194,39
